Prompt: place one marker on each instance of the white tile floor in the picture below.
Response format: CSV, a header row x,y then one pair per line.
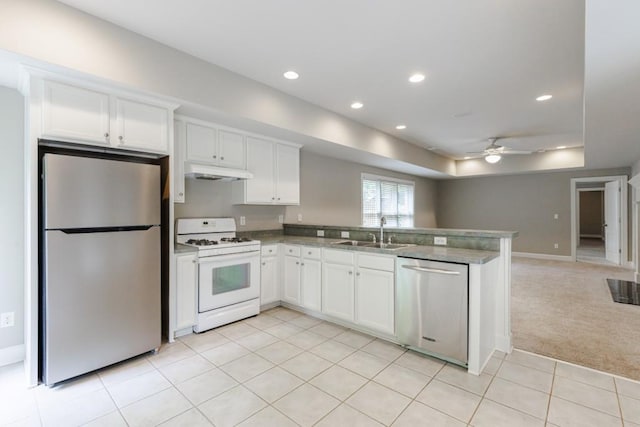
x,y
286,369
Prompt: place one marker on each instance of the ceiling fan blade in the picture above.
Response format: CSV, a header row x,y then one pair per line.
x,y
515,152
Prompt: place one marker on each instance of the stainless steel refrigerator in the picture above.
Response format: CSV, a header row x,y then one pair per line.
x,y
101,281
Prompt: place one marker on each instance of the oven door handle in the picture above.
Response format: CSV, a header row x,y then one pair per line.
x,y
229,257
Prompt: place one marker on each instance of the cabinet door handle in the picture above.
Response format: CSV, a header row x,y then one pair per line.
x,y
350,273
180,194
214,156
194,261
358,273
270,250
106,135
309,253
121,138
273,198
221,158
297,263
302,263
278,198
264,263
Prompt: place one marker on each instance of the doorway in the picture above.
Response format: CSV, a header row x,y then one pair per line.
x,y
599,220
591,237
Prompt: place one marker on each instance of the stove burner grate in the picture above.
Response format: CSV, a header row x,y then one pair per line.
x,y
235,239
201,242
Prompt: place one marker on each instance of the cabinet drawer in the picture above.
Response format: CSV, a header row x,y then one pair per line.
x,y
339,257
311,253
269,250
376,262
292,250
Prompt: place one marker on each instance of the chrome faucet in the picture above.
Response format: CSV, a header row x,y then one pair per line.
x,y
383,221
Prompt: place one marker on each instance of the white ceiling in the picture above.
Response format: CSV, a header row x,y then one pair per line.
x,y
485,60
485,63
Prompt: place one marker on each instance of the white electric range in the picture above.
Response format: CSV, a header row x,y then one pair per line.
x,y
228,270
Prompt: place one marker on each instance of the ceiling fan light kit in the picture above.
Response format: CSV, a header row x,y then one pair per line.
x,y
492,158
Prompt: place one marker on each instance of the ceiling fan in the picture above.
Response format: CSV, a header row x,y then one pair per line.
x,y
494,151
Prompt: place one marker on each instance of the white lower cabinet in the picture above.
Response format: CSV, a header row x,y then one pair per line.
x,y
269,289
301,276
338,290
186,288
375,294
311,278
352,286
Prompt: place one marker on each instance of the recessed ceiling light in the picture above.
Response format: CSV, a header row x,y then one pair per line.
x,y
291,75
357,105
416,78
401,127
544,97
561,147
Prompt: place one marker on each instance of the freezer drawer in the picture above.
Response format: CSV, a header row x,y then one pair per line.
x,y
432,307
102,299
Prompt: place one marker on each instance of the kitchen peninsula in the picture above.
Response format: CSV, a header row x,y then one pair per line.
x,y
301,271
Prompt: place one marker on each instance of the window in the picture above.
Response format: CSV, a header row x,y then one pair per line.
x,y
388,197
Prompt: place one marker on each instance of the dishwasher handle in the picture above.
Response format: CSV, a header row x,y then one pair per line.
x,y
432,270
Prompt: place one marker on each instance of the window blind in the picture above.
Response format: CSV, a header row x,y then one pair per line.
x,y
389,198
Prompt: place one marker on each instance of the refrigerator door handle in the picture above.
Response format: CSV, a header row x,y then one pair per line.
x,y
104,229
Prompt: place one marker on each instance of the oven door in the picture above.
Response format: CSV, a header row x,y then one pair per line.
x,y
228,279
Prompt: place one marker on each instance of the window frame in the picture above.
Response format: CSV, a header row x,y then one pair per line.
x,y
373,177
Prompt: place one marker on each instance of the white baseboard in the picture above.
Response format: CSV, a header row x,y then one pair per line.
x,y
11,354
637,277
543,256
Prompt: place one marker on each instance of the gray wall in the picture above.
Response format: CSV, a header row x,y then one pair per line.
x,y
524,203
12,214
591,213
330,195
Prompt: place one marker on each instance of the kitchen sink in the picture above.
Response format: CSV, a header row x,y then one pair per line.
x,y
373,245
352,243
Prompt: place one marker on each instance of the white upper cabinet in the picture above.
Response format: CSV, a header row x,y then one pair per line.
x,y
201,143
220,147
287,177
142,126
276,174
231,149
87,116
260,154
75,114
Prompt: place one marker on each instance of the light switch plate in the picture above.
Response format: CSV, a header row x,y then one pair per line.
x,y
243,220
439,240
299,217
281,219
320,233
344,234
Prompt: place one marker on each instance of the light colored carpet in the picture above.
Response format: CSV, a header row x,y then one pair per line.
x,y
564,310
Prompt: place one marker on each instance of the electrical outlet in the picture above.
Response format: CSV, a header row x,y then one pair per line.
x,y
320,233
344,234
556,246
439,240
555,216
243,220
7,319
281,219
299,217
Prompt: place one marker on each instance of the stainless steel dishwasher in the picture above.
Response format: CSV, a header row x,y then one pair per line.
x,y
432,307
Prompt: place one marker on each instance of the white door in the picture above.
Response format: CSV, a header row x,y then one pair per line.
x,y
260,189
338,290
269,280
311,283
612,221
375,298
201,144
186,284
231,149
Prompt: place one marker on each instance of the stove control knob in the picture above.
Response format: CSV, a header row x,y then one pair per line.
x,y
221,158
264,263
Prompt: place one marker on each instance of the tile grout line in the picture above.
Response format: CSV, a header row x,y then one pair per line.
x,y
553,381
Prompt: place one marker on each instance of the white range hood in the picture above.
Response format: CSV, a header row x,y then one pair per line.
x,y
214,173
